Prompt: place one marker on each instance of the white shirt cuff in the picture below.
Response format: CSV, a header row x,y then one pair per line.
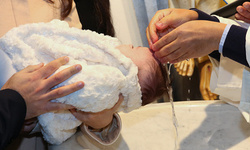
x,y
223,38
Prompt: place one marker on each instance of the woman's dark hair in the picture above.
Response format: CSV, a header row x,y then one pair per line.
x,y
93,14
66,7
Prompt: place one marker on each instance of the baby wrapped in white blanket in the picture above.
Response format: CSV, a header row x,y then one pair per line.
x,y
106,71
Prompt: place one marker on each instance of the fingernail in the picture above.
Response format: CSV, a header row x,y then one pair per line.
x,y
66,58
80,84
155,39
237,16
159,24
240,10
153,48
247,6
78,67
41,64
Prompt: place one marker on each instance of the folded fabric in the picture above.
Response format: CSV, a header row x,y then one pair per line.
x,y
106,71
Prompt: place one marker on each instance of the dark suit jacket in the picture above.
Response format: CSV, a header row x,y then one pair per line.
x,y
12,115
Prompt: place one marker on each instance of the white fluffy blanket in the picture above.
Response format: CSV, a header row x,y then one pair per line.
x,y
106,72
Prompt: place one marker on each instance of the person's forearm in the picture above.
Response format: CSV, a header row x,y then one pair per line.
x,y
12,115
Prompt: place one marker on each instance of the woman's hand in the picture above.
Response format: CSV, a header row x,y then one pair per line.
x,y
190,40
166,20
243,12
100,119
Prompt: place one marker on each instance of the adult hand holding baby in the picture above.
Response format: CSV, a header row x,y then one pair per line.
x,y
35,84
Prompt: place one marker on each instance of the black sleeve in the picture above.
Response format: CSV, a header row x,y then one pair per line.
x,y
235,45
204,16
12,115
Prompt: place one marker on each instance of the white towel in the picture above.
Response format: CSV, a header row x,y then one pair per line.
x,y
106,71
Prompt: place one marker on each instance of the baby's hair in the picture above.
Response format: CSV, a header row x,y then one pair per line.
x,y
154,86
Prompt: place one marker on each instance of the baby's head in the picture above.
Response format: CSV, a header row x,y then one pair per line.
x,y
151,80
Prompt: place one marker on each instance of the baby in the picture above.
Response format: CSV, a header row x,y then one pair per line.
x,y
107,72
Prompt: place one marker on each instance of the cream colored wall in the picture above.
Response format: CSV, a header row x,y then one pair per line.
x,y
124,20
